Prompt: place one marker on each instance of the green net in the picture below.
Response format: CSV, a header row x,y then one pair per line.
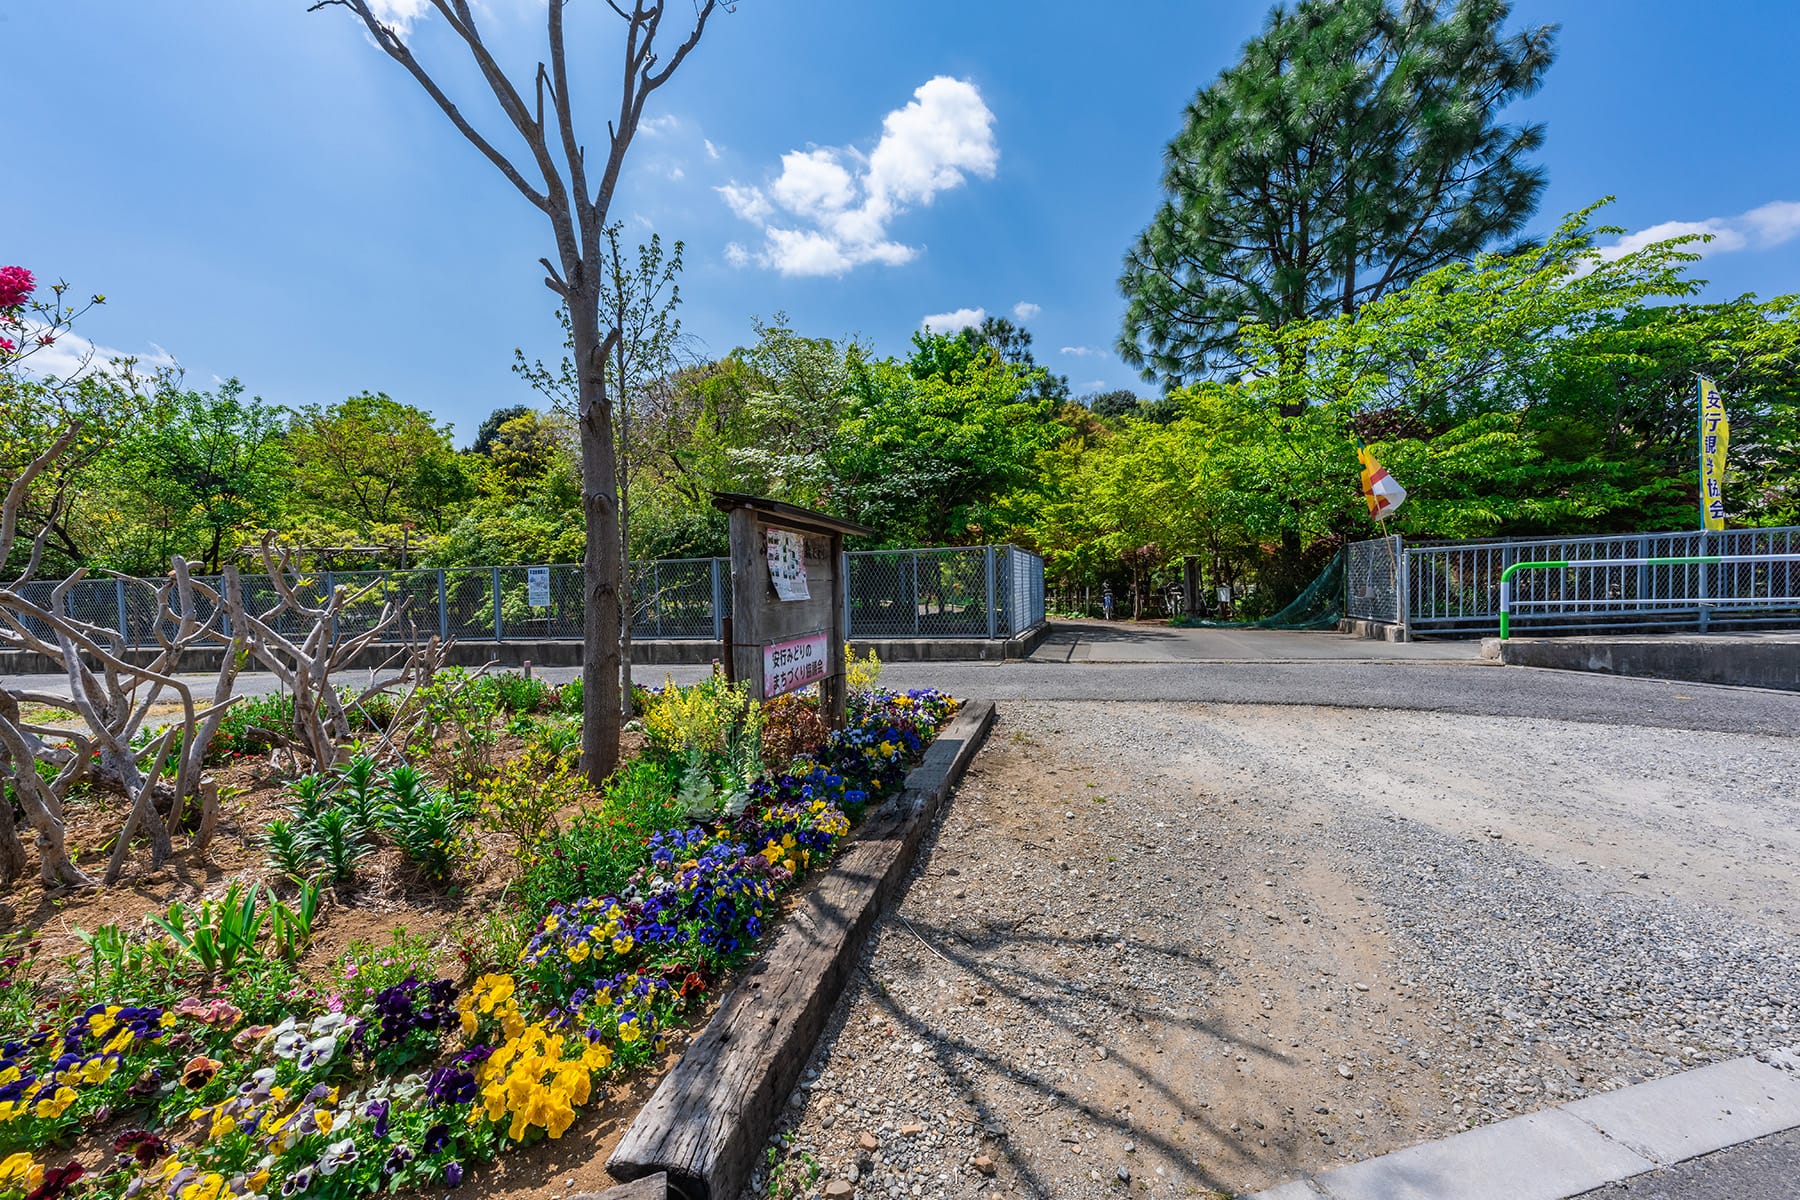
x,y
1319,606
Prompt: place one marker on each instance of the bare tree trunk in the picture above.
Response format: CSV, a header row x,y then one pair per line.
x,y
577,214
600,672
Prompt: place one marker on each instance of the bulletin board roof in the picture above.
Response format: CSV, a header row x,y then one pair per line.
x,y
789,514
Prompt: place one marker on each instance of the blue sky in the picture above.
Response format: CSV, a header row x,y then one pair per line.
x,y
261,193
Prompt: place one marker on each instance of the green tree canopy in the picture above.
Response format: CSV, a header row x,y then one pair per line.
x,y
370,464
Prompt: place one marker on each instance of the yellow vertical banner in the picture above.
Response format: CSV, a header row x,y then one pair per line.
x,y
1715,436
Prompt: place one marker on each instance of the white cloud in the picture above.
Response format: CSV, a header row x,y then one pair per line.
x,y
813,184
71,355
1079,351
1761,228
1025,310
657,126
747,202
399,13
676,174
1095,385
1775,222
835,204
950,322
712,151
736,255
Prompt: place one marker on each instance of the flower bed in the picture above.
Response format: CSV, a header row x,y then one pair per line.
x,y
111,1086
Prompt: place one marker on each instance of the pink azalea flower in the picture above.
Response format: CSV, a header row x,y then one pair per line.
x,y
16,286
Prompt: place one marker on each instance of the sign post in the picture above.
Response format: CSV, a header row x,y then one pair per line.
x,y
788,615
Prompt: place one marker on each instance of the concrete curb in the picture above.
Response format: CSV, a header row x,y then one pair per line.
x,y
1584,1144
1379,631
1764,662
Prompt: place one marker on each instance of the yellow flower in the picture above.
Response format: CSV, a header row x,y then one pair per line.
x,y
560,1117
10,1109
21,1170
53,1106
622,943
210,1187
97,1070
493,990
322,1119
574,1082
597,1057
579,952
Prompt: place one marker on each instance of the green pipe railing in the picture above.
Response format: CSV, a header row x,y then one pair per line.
x,y
1683,561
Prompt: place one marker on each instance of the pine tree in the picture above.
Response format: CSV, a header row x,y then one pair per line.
x,y
1355,147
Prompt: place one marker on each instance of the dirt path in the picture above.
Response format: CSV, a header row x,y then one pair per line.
x,y
1180,949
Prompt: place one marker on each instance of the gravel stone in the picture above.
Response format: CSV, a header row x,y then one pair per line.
x,y
1421,976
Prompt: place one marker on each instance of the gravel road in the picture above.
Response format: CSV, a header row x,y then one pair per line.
x,y
1173,949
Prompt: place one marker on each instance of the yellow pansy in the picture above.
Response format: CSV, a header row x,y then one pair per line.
x,y
21,1170
53,1106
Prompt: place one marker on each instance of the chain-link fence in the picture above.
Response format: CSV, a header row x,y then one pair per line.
x,y
971,591
1372,580
955,592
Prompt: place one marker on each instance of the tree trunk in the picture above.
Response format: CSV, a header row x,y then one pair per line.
x,y
600,677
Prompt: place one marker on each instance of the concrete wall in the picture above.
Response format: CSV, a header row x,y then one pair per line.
x,y
512,654
1766,662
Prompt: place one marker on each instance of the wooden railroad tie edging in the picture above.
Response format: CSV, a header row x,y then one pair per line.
x,y
711,1115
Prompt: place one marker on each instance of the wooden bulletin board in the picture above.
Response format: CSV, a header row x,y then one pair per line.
x,y
787,626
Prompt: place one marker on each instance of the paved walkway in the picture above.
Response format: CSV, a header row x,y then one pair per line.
x,y
1655,1134
1267,671
1130,642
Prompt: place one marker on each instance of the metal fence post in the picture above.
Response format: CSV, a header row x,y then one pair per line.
x,y
124,629
991,611
1403,602
499,632
443,606
1705,609
913,557
718,601
844,566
